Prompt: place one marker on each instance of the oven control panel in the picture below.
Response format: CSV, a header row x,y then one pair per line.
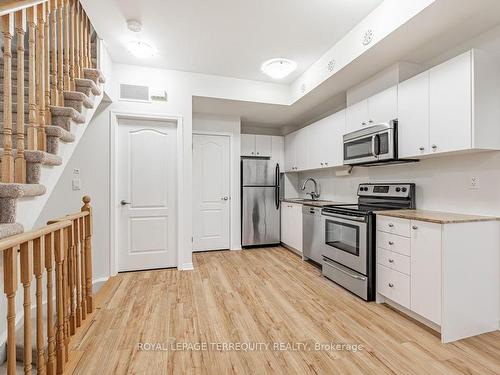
x,y
390,190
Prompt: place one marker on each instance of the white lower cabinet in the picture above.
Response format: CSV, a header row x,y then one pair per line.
x,y
441,272
291,225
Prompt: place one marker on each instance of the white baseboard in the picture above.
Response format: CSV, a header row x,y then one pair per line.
x,y
236,249
186,267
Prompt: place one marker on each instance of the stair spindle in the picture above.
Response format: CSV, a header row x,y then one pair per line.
x,y
40,76
78,68
72,51
60,52
20,162
82,269
48,115
67,79
65,295
7,157
85,39
71,277
88,253
26,277
38,267
54,92
59,257
32,119
89,42
78,278
51,340
10,288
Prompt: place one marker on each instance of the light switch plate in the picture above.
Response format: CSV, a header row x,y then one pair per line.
x,y
76,184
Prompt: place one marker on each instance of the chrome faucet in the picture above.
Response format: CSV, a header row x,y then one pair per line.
x,y
314,194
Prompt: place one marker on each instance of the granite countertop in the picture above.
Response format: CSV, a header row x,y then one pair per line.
x,y
436,216
309,202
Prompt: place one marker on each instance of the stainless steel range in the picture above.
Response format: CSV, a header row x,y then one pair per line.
x,y
349,235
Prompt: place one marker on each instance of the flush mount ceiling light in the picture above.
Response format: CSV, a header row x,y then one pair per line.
x,y
141,49
278,68
134,26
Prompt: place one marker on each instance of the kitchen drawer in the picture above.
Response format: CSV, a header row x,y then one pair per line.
x,y
393,285
393,225
394,243
394,261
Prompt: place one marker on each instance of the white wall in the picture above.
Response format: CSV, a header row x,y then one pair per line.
x,y
232,125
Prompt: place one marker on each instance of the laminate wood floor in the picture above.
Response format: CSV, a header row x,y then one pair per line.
x,y
258,297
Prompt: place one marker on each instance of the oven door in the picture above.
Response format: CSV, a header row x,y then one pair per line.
x,y
345,239
369,148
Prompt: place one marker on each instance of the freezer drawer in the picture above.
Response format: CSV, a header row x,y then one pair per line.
x,y
260,217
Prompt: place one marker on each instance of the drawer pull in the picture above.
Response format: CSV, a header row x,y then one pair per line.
x,y
391,225
391,285
391,260
414,227
391,243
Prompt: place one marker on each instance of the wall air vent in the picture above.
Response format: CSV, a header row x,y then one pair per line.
x,y
134,93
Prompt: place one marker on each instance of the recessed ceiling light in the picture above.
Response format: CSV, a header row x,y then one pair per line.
x,y
278,68
141,49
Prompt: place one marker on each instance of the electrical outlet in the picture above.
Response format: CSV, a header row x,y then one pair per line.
x,y
474,183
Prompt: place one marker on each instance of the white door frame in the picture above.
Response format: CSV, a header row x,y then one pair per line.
x,y
115,116
232,177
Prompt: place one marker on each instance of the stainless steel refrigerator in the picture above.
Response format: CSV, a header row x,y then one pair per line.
x,y
260,202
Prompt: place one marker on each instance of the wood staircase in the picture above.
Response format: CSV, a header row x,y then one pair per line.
x,y
49,82
49,86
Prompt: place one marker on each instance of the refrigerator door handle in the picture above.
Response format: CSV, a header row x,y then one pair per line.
x,y
277,183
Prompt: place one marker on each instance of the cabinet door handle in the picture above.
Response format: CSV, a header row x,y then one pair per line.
x,y
326,163
421,148
391,260
391,243
258,153
391,285
321,163
370,121
434,147
414,227
391,225
363,123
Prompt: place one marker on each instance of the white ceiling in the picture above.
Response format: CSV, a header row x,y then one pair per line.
x,y
228,37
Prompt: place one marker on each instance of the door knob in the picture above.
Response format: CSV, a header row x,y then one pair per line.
x,y
224,198
124,202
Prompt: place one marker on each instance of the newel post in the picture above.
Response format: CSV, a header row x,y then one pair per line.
x,y
88,252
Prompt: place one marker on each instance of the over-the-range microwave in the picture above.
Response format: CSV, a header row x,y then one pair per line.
x,y
373,145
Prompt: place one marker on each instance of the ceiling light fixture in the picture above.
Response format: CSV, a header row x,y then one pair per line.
x,y
278,68
141,49
134,26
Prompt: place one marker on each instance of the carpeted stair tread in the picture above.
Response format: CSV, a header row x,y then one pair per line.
x,y
10,229
94,74
57,131
68,112
15,190
88,83
79,96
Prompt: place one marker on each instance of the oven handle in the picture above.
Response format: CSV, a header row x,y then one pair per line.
x,y
343,271
347,217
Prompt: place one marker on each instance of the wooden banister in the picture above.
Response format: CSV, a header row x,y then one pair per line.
x,y
64,245
12,6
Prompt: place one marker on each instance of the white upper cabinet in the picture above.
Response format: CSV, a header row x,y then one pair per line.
x,y
278,151
451,105
413,117
450,108
381,107
290,142
357,116
256,145
263,145
247,145
325,139
301,148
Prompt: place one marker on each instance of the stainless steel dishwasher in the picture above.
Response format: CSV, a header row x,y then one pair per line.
x,y
313,233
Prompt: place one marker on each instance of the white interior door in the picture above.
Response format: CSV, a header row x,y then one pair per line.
x,y
211,187
146,194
